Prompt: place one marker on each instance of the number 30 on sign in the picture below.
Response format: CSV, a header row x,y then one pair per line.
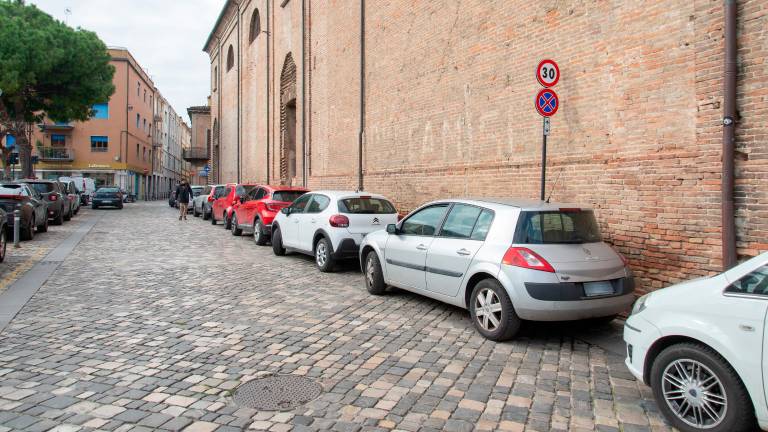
x,y
548,73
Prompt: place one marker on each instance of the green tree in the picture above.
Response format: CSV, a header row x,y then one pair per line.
x,y
47,69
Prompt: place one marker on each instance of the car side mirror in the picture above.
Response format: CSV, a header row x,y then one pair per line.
x,y
286,211
242,200
392,229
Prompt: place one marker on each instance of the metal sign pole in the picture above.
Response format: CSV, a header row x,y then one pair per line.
x,y
544,157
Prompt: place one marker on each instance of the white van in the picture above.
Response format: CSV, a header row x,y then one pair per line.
x,y
87,186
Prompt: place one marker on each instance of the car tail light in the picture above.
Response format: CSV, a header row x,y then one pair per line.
x,y
623,258
210,198
53,197
273,207
526,258
339,221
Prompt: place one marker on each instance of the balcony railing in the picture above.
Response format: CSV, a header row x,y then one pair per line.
x,y
56,154
195,154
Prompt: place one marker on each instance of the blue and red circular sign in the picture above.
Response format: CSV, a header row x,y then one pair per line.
x,y
547,102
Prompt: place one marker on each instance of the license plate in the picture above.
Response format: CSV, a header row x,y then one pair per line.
x,y
592,289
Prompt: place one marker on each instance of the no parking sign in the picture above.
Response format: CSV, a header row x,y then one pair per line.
x,y
547,102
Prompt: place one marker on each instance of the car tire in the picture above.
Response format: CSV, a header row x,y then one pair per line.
x,y
374,277
227,222
258,233
739,411
44,227
213,218
206,215
59,219
68,214
507,322
3,243
194,211
277,242
236,231
120,207
324,255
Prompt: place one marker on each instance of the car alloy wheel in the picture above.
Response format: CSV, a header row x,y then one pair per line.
x,y
488,309
323,257
694,393
374,280
236,231
258,235
321,254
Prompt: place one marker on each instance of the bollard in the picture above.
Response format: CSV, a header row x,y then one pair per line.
x,y
16,227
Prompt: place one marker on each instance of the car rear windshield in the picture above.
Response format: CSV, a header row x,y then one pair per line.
x,y
107,190
42,187
366,205
557,227
10,189
286,196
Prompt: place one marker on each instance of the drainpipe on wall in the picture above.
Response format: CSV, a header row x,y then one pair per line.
x,y
303,95
362,98
239,42
269,135
729,137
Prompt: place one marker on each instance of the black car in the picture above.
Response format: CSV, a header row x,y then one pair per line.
x,y
107,197
34,210
59,209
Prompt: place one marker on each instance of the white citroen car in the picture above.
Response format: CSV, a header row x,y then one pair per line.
x,y
701,346
504,260
330,224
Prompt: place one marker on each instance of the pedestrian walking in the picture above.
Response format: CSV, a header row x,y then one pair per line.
x,y
183,196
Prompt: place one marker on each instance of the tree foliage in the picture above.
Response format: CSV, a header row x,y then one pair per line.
x,y
47,69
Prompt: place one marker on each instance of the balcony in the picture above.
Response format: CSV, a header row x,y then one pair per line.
x,y
195,154
58,126
56,154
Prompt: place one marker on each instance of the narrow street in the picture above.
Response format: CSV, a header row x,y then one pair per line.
x,y
152,323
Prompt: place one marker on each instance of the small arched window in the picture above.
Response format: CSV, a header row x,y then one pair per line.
x,y
255,26
230,58
215,77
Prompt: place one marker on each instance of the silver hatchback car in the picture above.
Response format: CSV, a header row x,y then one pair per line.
x,y
504,260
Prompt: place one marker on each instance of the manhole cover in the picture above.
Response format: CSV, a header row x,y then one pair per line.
x,y
277,393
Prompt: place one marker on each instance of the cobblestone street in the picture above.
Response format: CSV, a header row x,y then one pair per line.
x,y
152,323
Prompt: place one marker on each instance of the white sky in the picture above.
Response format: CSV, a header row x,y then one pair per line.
x,y
165,36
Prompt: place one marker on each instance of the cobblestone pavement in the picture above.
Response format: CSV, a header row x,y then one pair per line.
x,y
152,323
21,259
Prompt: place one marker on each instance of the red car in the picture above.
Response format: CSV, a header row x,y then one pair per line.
x,y
255,212
221,207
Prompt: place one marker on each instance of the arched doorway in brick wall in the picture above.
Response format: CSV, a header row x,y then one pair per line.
x,y
214,174
288,121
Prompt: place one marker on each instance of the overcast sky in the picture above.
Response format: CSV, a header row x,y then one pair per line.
x,y
165,37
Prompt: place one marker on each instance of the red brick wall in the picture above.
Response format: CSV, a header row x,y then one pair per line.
x,y
450,88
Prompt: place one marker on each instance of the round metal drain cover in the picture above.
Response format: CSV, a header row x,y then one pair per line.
x,y
277,393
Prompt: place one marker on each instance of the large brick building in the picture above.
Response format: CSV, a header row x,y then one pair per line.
x,y
447,110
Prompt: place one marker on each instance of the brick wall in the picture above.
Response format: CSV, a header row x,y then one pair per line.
x,y
450,88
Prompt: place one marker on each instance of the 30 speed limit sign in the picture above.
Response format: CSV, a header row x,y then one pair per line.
x,y
548,73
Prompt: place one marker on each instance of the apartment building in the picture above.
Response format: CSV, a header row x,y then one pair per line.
x,y
198,154
119,144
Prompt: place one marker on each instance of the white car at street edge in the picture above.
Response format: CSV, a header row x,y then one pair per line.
x,y
506,260
330,225
701,346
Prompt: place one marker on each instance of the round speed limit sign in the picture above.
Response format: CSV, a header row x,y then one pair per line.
x,y
548,73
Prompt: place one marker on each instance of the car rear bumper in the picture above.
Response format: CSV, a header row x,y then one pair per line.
x,y
347,249
572,291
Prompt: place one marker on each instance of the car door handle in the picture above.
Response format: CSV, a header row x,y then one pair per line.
x,y
421,247
463,251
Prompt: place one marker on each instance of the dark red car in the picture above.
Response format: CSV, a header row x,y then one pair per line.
x,y
255,212
221,207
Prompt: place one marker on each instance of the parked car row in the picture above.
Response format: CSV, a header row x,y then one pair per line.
x,y
504,260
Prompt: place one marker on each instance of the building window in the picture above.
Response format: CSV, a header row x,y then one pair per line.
x,y
215,78
145,125
138,121
230,58
99,143
58,140
137,151
255,26
145,96
138,89
144,153
101,111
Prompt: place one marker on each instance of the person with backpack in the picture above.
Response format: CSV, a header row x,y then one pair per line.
x,y
183,196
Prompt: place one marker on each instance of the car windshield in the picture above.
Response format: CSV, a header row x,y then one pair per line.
x,y
42,187
366,205
557,227
287,196
108,190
